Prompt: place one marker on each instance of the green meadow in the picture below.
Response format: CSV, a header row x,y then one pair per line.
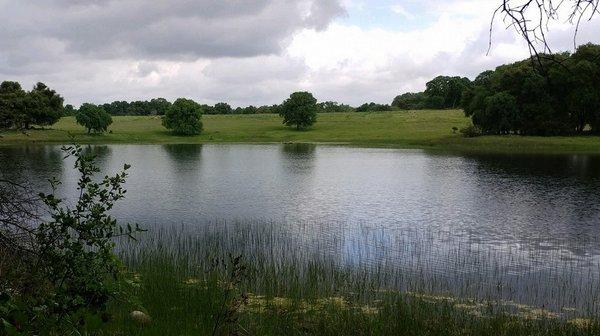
x,y
427,129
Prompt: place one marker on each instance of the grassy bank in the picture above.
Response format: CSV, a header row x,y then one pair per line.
x,y
402,129
187,282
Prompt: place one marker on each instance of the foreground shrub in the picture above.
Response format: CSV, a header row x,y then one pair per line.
x,y
66,272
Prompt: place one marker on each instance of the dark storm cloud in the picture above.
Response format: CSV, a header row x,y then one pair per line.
x,y
159,29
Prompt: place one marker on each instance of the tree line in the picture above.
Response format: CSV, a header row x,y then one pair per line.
x,y
442,92
184,116
560,97
159,106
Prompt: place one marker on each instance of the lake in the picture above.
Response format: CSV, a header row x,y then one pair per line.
x,y
523,226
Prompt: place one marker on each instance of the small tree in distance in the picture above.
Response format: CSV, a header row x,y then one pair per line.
x,y
300,110
184,117
93,118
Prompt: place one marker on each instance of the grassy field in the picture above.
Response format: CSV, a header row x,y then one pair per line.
x,y
401,129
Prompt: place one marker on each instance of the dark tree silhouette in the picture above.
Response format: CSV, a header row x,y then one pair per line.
x,y
531,18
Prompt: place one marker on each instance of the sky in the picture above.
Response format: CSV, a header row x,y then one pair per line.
x,y
255,52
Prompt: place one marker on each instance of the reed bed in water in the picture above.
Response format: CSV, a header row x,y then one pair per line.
x,y
334,279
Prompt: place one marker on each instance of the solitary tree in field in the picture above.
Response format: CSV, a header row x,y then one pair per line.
x,y
184,117
300,110
93,118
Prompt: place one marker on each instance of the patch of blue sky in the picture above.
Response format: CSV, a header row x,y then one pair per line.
x,y
394,15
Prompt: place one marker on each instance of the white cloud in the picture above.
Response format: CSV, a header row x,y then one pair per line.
x,y
400,10
236,58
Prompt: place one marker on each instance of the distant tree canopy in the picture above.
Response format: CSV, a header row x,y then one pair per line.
x,y
300,110
156,106
333,107
41,106
222,108
445,92
184,117
442,92
410,101
373,107
94,118
69,110
518,99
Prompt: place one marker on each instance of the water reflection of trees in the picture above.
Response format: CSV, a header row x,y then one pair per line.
x,y
538,165
301,151
549,201
183,153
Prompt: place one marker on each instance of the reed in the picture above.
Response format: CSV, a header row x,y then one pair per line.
x,y
361,281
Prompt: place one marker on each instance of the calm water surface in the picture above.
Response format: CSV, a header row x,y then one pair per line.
x,y
532,221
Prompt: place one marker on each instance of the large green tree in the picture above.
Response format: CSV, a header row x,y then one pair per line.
x,y
12,103
94,118
222,108
299,110
41,106
409,101
560,97
44,106
445,91
184,117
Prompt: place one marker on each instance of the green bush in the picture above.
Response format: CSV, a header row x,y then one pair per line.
x,y
184,117
470,131
93,118
63,270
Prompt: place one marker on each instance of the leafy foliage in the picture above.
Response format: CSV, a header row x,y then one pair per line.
x,y
184,117
470,131
445,92
333,107
71,271
410,101
373,107
561,98
300,110
156,106
93,118
442,92
222,108
41,106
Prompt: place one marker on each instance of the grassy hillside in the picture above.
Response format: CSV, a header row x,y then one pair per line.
x,y
402,129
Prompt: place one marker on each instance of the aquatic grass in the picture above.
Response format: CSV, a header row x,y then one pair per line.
x,y
371,283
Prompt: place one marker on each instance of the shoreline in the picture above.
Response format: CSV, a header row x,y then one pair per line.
x,y
428,130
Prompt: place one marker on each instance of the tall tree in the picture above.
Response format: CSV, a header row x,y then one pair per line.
x,y
12,103
300,110
184,117
44,106
93,118
445,91
222,108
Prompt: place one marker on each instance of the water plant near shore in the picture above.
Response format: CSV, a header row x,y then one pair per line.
x,y
294,287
